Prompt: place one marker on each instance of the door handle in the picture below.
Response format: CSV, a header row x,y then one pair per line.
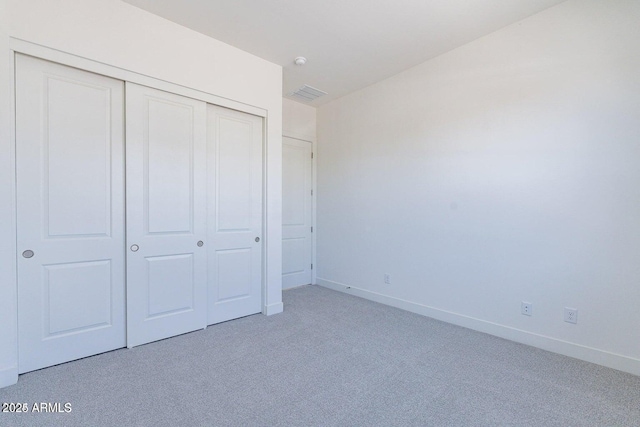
x,y
134,248
200,243
28,253
257,239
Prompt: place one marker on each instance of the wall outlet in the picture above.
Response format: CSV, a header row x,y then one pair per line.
x,y
526,308
571,315
387,279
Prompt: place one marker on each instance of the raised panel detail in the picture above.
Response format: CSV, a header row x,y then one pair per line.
x,y
294,184
234,273
169,166
171,284
78,296
234,175
294,255
77,148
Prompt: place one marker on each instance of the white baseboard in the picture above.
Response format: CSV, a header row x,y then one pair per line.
x,y
8,376
272,309
589,354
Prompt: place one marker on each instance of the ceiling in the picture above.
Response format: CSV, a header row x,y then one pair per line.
x,y
349,44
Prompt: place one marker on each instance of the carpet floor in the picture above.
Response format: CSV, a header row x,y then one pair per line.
x,y
329,360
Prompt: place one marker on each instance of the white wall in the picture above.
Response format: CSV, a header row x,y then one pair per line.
x,y
298,120
118,34
505,170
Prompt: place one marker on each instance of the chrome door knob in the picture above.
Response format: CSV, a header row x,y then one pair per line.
x,y
200,243
28,253
134,248
257,239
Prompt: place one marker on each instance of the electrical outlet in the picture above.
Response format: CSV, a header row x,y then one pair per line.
x,y
526,308
387,279
571,315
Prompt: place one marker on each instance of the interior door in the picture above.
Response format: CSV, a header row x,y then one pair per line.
x,y
166,215
235,213
70,211
296,212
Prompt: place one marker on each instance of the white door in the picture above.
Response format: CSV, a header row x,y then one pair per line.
x,y
166,215
296,212
235,213
70,210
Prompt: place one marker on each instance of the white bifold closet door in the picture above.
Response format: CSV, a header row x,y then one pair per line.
x,y
166,214
70,212
235,213
296,213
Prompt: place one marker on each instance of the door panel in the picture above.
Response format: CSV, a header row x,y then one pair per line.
x,y
296,212
234,172
78,296
235,213
80,189
234,273
295,260
70,210
166,215
169,172
167,279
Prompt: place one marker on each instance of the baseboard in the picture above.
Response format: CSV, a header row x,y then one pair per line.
x,y
272,309
296,287
588,354
8,376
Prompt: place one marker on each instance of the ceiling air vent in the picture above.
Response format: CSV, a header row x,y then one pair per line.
x,y
307,93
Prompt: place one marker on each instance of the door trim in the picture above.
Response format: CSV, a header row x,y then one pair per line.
x,y
9,374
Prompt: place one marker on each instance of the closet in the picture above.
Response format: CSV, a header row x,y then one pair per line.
x,y
184,251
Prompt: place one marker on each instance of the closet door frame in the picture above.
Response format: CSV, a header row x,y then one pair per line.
x,y
271,291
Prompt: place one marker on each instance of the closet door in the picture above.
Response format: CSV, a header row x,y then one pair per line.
x,y
70,212
166,215
235,213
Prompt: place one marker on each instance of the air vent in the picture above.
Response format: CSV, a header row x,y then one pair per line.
x,y
307,93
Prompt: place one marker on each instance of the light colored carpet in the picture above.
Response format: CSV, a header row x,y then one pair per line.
x,y
330,360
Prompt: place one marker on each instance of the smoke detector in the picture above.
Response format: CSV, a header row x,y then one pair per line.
x,y
307,93
300,60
